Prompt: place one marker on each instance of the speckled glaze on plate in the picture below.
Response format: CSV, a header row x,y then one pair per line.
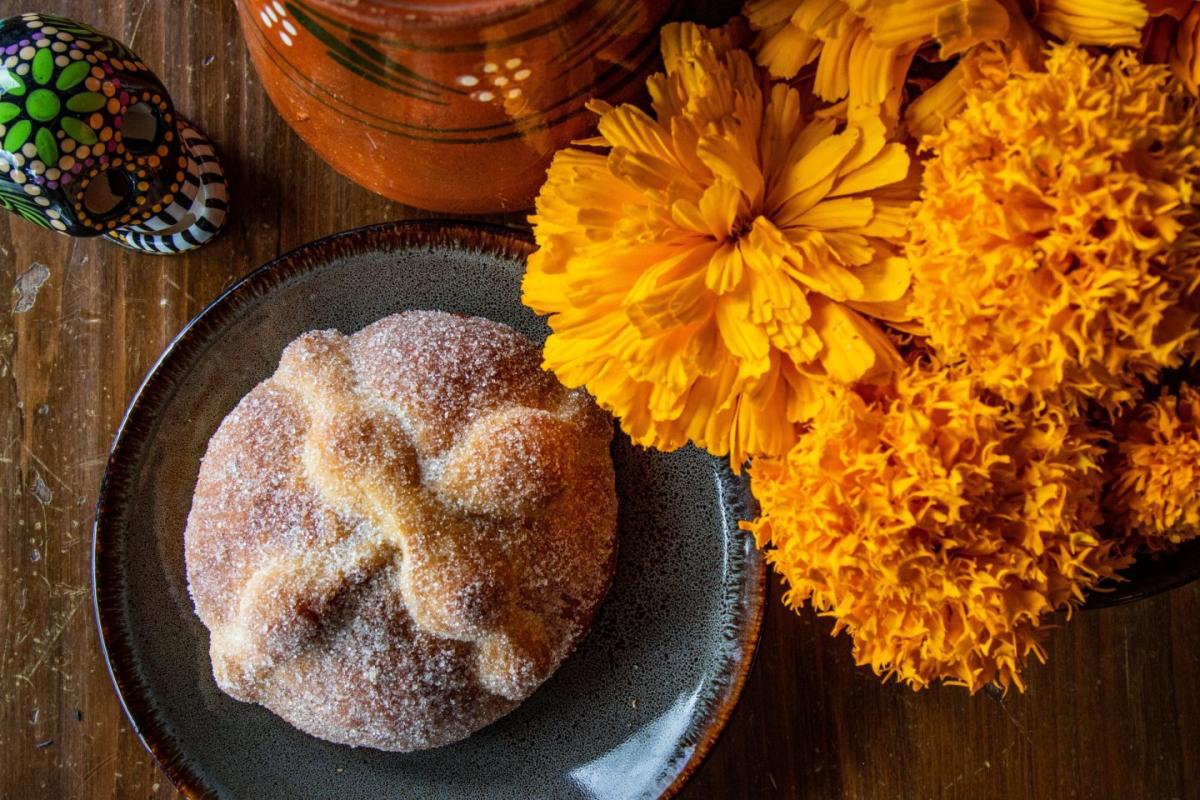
x,y
630,714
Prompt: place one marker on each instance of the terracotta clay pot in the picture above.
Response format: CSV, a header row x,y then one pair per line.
x,y
450,105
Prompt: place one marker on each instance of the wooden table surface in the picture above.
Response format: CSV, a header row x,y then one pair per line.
x,y
1114,714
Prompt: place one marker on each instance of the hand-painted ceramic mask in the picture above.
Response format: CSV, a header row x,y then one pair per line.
x,y
90,143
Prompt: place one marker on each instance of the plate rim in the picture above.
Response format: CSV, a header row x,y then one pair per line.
x,y
493,238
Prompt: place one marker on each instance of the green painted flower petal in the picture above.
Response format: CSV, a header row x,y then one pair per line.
x,y
11,83
78,131
43,66
43,105
17,135
46,146
8,111
86,101
72,75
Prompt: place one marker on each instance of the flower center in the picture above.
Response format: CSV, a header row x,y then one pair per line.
x,y
42,105
741,226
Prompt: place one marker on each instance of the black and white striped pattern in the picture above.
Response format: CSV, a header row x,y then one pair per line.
x,y
199,207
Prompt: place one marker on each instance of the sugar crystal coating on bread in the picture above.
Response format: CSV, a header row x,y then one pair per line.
x,y
401,533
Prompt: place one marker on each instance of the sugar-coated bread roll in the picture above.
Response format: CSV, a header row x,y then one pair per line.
x,y
400,534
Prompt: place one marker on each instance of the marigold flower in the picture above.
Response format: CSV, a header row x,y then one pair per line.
x,y
1107,22
718,266
1156,477
1055,248
937,526
864,48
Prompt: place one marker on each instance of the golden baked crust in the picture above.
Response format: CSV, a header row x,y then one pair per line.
x,y
401,533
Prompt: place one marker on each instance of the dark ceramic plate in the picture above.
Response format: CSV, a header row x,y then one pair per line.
x,y
630,714
1151,575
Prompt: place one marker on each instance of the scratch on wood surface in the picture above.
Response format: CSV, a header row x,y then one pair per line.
x,y
64,589
104,762
178,288
71,766
987,764
48,645
4,652
27,286
1013,720
1126,673
137,23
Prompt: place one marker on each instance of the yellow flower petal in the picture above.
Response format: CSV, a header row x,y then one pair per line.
x,y
765,13
833,69
811,178
838,212
668,295
631,128
1103,22
848,353
890,166
725,269
746,342
884,281
734,165
967,23
785,49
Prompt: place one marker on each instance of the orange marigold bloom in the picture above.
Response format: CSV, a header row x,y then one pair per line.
x,y
1055,248
863,48
1156,477
717,265
937,525
1102,22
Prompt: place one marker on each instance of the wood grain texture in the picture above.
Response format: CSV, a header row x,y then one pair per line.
x,y
1115,712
